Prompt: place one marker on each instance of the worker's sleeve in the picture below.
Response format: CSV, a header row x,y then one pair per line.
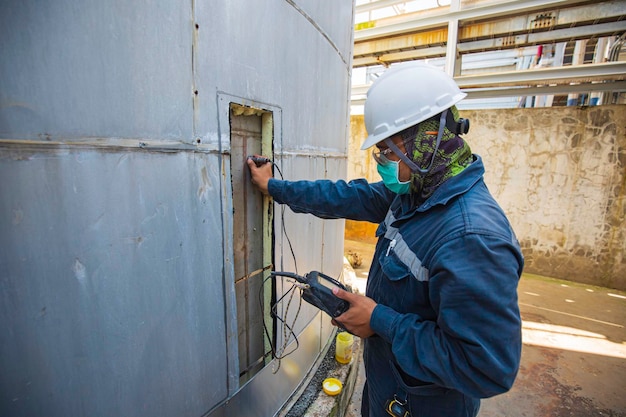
x,y
354,200
475,344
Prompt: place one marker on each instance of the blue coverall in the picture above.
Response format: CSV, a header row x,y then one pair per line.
x,y
444,275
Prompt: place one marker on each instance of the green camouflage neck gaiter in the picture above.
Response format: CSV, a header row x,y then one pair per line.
x,y
452,157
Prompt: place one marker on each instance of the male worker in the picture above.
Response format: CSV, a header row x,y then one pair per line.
x,y
440,320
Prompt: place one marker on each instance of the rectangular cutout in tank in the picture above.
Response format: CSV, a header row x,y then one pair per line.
x,y
251,132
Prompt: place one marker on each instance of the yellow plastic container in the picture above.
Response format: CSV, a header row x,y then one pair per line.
x,y
332,386
343,347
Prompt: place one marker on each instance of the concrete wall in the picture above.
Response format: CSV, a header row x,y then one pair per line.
x,y
559,174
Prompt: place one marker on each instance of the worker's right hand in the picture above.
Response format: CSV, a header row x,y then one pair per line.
x,y
260,175
356,319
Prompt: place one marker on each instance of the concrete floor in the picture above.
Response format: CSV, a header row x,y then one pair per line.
x,y
574,353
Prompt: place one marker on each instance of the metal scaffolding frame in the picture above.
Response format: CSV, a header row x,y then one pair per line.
x,y
577,36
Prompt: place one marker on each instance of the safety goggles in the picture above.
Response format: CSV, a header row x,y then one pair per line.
x,y
381,156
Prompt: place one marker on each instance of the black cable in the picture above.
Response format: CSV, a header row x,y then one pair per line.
x,y
288,331
284,230
274,315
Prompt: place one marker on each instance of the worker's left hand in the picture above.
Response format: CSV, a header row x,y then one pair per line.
x,y
357,319
260,175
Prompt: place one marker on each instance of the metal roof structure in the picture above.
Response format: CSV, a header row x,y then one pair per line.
x,y
500,51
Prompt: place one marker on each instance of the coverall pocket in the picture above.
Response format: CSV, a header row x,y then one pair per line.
x,y
399,289
427,400
393,268
414,386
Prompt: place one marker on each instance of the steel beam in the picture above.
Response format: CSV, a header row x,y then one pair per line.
x,y
508,42
491,11
615,71
510,32
376,5
602,77
410,55
553,36
617,86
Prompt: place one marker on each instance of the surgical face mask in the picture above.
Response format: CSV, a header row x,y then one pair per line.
x,y
389,171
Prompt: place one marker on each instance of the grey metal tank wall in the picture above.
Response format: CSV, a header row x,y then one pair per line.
x,y
111,293
559,173
115,283
80,71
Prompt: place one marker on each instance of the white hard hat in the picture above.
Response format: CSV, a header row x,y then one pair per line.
x,y
405,95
